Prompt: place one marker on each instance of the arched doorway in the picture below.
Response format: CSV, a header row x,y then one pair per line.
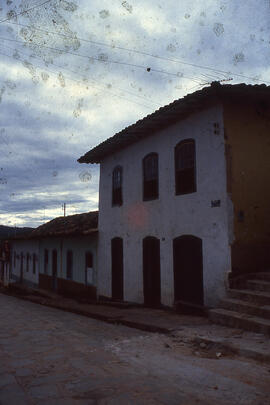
x,y
151,271
117,269
188,269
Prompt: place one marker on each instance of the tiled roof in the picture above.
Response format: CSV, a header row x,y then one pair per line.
x,y
71,225
169,114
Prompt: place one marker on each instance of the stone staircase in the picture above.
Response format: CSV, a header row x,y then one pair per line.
x,y
247,305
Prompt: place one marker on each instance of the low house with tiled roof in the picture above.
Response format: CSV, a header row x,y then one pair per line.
x,y
60,255
24,259
184,198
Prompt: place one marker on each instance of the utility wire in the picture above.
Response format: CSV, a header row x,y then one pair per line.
x,y
84,84
118,47
217,71
25,11
63,51
85,77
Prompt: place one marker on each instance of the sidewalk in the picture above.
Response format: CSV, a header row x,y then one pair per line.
x,y
196,330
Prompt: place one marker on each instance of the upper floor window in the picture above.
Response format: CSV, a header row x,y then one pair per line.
x,y
46,261
69,265
117,175
185,168
150,177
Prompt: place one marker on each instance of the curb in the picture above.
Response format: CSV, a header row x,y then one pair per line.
x,y
212,344
113,320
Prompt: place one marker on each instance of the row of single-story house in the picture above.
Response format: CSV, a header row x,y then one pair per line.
x,y
60,255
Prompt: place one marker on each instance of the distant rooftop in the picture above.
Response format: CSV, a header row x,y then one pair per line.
x,y
71,225
169,114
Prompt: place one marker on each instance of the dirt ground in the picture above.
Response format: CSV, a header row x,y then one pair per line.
x,y
53,357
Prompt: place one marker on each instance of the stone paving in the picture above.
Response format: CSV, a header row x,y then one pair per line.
x,y
52,357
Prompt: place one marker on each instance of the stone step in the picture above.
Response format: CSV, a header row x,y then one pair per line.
x,y
258,285
262,311
242,321
256,297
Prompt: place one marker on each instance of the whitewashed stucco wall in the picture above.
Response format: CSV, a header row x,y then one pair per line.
x,y
50,244
171,215
25,246
79,246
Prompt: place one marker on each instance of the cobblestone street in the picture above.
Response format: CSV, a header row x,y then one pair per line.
x,y
54,357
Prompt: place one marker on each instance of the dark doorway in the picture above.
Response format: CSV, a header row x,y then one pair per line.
x,y
188,269
21,268
54,269
151,271
117,269
89,268
69,265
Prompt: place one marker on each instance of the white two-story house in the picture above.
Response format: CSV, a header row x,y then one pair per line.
x,y
184,198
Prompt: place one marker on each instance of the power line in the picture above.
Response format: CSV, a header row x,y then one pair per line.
x,y
217,71
83,84
146,68
117,47
85,77
26,11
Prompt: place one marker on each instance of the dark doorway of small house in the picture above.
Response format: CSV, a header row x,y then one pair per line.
x,y
21,268
89,268
151,271
117,269
188,269
54,269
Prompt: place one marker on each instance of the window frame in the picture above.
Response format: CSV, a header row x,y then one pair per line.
x,y
177,148
154,196
117,192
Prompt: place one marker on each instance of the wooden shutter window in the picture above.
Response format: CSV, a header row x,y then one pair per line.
x,y
185,167
117,175
150,177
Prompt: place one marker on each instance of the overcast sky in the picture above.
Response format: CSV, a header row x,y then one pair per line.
x,y
74,73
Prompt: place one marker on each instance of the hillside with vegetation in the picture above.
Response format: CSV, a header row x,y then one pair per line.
x,y
9,231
